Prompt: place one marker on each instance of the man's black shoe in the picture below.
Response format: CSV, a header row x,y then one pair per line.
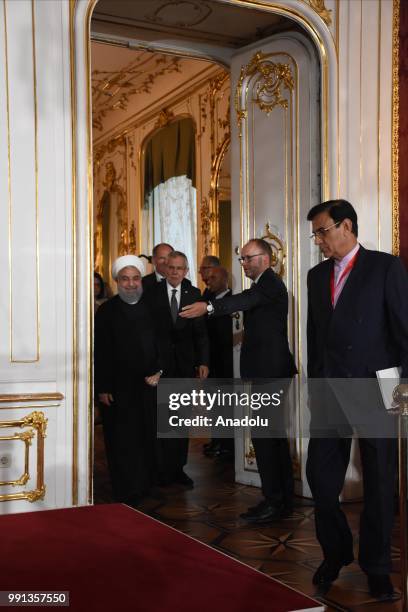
x,y
328,572
265,512
182,478
380,587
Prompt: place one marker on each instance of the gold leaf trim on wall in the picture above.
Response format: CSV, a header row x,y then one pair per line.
x,y
319,7
395,128
36,421
30,397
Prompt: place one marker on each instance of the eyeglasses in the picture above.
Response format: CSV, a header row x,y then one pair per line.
x,y
246,258
321,231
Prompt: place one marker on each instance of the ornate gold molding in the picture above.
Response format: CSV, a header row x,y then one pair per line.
x,y
30,397
165,117
319,7
219,138
395,128
112,186
278,251
213,195
207,220
268,88
36,421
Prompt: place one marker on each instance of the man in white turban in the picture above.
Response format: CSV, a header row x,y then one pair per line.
x,y
127,369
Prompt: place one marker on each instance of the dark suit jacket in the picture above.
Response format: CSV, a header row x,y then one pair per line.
x,y
126,349
220,336
368,329
149,281
265,349
182,346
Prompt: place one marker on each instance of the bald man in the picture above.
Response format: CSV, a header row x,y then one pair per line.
x,y
126,371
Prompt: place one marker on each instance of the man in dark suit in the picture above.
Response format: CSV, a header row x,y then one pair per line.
x,y
265,354
126,367
208,262
221,358
183,349
357,325
159,260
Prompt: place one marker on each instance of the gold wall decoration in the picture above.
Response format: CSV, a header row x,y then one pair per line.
x,y
214,194
164,118
219,139
267,91
111,184
278,251
395,128
207,220
36,423
30,397
319,7
132,239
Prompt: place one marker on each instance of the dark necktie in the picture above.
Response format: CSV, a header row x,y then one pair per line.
x,y
174,306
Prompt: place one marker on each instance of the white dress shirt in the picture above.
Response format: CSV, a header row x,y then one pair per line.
x,y
170,293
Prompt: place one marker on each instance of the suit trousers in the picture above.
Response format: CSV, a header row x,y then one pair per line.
x,y
275,469
326,468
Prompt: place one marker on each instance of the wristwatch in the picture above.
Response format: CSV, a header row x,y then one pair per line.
x,y
210,308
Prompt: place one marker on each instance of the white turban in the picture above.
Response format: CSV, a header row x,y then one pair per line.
x,y
127,260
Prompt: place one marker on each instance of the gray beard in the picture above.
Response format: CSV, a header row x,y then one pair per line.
x,y
130,297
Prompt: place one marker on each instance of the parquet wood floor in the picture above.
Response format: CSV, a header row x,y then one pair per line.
x,y
287,550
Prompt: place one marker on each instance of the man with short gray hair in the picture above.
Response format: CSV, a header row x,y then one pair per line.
x,y
184,351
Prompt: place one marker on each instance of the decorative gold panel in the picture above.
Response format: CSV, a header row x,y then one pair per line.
x,y
36,422
267,90
319,7
278,251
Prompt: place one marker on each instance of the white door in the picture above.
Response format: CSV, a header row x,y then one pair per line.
x,y
275,147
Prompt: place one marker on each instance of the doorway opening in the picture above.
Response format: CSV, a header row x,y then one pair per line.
x,y
248,81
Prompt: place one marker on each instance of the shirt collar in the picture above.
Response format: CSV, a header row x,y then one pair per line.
x,y
342,263
159,277
170,287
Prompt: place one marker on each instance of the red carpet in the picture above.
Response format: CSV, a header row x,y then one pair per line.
x,y
112,558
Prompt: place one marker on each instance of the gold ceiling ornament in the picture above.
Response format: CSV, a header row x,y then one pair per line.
x,y
114,90
37,422
194,12
319,7
270,77
278,251
164,118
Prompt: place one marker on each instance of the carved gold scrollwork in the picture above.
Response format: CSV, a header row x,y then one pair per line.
x,y
271,79
278,251
112,186
207,219
132,239
37,422
319,7
165,117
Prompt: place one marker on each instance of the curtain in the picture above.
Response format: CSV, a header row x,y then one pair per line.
x,y
170,201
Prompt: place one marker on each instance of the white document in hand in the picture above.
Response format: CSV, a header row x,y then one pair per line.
x,y
388,379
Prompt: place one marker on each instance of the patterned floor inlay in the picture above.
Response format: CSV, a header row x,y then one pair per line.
x,y
288,551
